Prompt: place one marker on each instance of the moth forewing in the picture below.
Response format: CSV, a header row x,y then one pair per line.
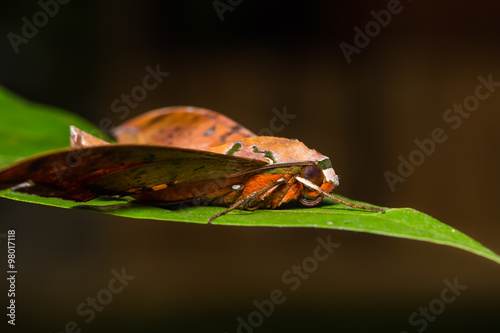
x,y
117,170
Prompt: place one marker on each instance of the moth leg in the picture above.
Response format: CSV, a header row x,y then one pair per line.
x,y
278,197
247,199
314,187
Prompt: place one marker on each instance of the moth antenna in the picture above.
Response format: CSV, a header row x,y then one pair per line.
x,y
245,200
314,187
351,204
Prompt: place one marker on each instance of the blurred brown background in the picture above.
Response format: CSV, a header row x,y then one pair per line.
x,y
363,114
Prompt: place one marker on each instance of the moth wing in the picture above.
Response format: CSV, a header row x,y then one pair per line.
x,y
81,139
185,127
85,173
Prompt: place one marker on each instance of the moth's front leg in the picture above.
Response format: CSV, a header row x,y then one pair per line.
x,y
252,200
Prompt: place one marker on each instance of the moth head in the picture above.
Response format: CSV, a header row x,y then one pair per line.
x,y
317,178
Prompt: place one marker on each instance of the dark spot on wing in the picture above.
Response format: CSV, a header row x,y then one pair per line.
x,y
36,164
148,158
233,130
210,131
155,120
140,173
106,153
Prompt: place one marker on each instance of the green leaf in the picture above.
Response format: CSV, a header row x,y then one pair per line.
x,y
30,128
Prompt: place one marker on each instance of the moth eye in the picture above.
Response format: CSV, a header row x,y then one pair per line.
x,y
313,174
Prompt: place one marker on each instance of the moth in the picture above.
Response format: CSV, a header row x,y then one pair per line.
x,y
181,155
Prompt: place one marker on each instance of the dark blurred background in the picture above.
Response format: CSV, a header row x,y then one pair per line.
x,y
363,114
